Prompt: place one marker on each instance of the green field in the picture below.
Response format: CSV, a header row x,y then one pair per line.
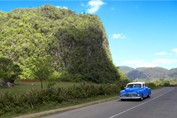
x,y
21,86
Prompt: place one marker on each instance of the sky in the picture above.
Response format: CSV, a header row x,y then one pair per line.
x,y
141,33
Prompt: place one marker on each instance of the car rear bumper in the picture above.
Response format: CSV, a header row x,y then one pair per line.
x,y
126,98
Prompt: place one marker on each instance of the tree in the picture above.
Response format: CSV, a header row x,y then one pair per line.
x,y
42,69
9,71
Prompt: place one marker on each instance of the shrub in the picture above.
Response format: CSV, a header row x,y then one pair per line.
x,y
151,85
20,103
9,71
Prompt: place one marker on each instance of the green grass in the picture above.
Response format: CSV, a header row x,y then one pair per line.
x,y
54,105
21,87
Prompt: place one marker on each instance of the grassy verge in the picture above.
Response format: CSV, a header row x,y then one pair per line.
x,y
73,104
56,108
12,104
70,94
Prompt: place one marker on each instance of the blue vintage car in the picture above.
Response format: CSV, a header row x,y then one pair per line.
x,y
135,90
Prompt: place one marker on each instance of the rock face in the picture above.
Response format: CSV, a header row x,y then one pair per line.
x,y
77,43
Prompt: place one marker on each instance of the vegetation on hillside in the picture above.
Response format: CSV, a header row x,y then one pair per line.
x,y
9,71
76,44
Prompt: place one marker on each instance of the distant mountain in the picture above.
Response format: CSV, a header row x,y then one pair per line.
x,y
141,68
156,72
125,69
148,72
172,73
134,74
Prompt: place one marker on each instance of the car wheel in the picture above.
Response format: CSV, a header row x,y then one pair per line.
x,y
142,98
148,96
122,99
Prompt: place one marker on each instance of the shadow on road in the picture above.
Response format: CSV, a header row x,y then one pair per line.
x,y
132,100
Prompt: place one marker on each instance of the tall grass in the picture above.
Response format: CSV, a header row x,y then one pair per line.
x,y
11,103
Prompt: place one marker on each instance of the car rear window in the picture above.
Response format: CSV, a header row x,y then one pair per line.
x,y
134,86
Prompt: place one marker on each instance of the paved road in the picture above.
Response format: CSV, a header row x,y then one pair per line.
x,y
162,104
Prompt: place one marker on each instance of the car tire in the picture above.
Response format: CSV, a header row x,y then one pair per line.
x,y
148,96
142,98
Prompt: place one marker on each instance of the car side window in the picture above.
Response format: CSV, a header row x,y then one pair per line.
x,y
144,85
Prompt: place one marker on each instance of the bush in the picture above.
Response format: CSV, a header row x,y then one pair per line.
x,y
9,71
162,82
11,104
151,85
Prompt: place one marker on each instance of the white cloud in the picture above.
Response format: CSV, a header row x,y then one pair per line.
x,y
174,50
161,53
139,63
94,6
118,36
62,7
164,61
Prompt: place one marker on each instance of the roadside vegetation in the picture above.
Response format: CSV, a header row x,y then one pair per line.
x,y
28,97
157,83
160,82
24,102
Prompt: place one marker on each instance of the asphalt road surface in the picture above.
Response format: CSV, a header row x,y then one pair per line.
x,y
162,104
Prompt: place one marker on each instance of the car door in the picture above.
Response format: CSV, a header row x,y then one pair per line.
x,y
145,90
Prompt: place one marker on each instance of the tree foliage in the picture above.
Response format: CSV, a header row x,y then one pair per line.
x,y
8,70
41,69
76,43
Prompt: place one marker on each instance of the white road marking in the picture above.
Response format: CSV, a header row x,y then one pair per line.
x,y
140,104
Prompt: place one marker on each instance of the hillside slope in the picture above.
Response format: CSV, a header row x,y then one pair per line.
x,y
76,43
125,69
149,73
172,73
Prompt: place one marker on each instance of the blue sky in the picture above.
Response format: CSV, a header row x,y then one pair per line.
x,y
140,33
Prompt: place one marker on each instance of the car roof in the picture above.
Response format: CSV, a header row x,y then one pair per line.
x,y
136,83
